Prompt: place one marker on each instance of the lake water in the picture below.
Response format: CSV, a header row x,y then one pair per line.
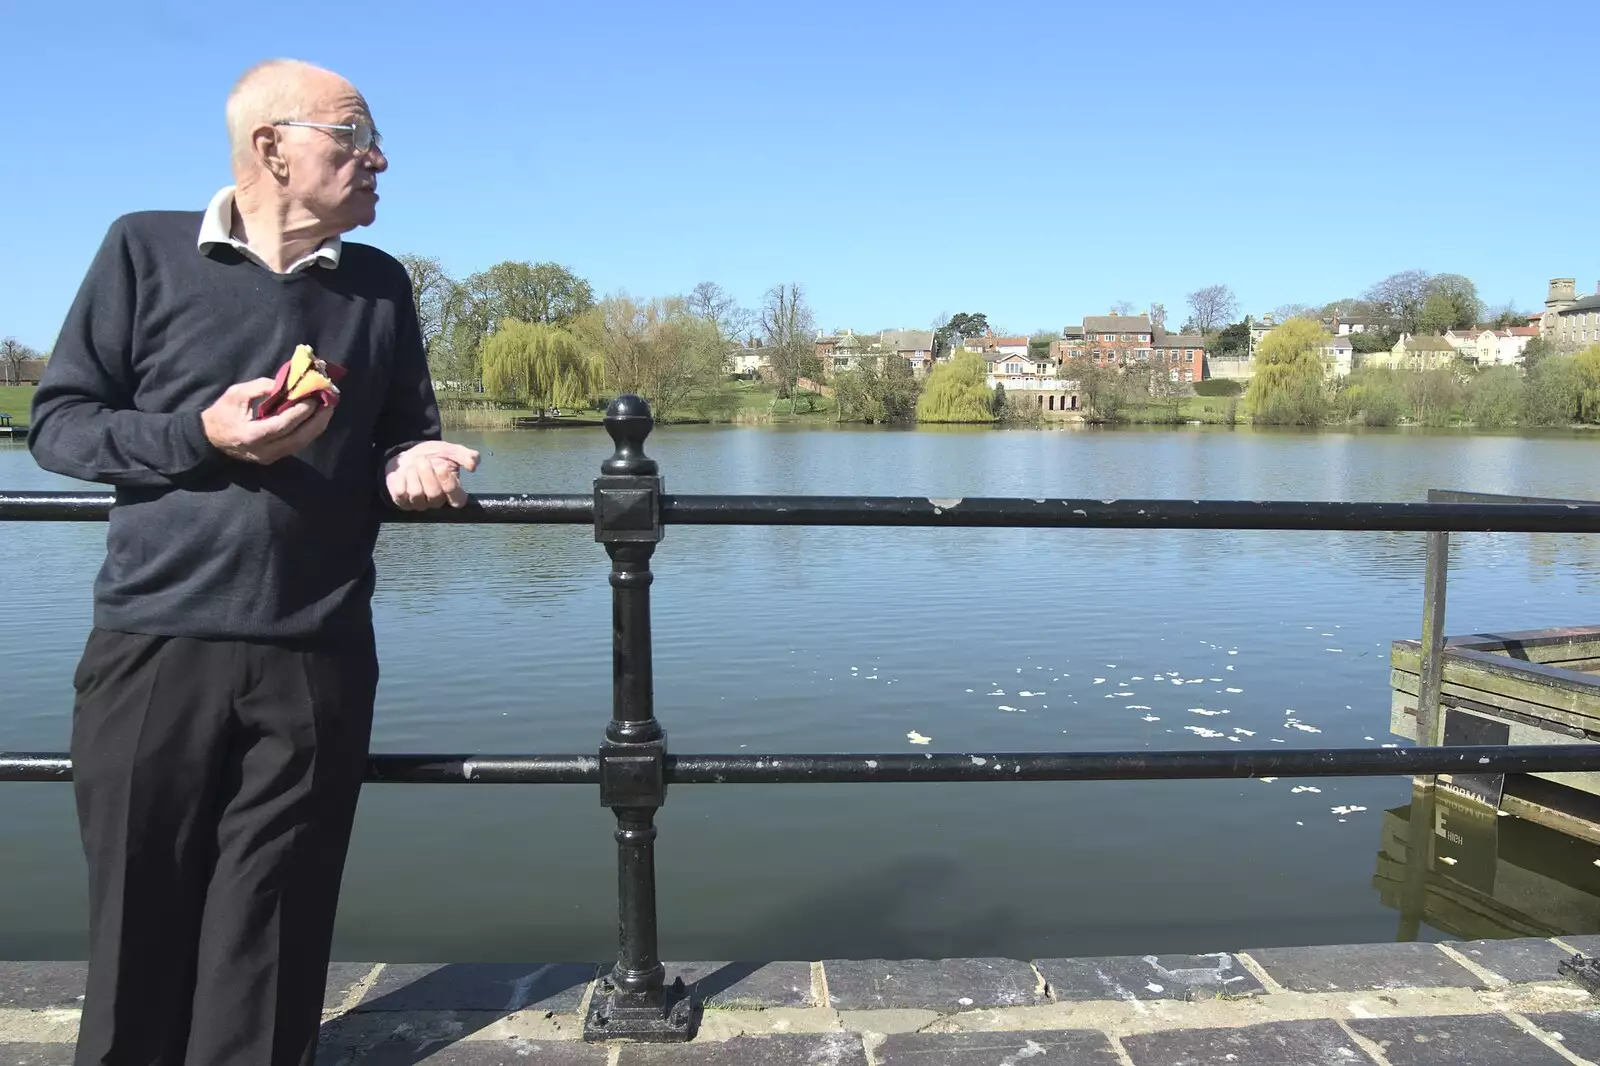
x,y
497,639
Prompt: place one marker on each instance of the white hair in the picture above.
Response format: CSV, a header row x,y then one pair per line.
x,y
270,91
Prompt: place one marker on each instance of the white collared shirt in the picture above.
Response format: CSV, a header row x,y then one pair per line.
x,y
216,227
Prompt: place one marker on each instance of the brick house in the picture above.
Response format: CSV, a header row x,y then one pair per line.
x,y
1117,340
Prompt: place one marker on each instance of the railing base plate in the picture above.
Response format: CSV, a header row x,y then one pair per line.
x,y
616,1015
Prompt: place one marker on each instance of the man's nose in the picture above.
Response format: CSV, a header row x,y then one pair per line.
x,y
376,160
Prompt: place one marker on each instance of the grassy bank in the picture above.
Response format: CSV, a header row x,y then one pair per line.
x,y
748,403
1212,410
754,403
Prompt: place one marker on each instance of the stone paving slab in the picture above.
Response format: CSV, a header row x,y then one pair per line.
x,y
503,987
1589,945
1469,1040
1364,968
41,985
342,979
1317,1043
1519,961
746,985
946,985
36,1054
1179,977
821,1049
476,1053
1071,1047
1578,1031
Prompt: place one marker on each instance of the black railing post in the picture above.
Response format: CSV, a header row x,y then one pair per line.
x,y
633,1002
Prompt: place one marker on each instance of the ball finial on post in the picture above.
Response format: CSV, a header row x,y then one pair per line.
x,y
629,422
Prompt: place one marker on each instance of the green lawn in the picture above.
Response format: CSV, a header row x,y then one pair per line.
x,y
15,400
1210,409
755,401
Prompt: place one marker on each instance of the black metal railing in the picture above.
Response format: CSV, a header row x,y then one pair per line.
x,y
629,512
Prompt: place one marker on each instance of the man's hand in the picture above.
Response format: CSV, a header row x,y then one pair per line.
x,y
426,475
231,430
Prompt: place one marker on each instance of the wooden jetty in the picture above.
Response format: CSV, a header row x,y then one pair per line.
x,y
10,431
534,422
1527,687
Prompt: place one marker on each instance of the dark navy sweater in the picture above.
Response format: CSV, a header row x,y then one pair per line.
x,y
201,544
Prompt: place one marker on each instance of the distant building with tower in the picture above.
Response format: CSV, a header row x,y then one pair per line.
x,y
1570,322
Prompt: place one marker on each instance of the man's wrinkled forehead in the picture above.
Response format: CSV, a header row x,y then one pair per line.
x,y
342,104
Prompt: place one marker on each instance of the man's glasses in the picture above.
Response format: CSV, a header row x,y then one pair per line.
x,y
362,134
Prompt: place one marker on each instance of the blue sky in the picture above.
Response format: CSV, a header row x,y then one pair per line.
x,y
1036,162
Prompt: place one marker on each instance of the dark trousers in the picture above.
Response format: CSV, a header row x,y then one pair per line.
x,y
216,784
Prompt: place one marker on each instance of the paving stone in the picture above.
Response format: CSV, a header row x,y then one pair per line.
x,y
1521,960
834,1049
1319,1043
479,1053
1071,1047
746,985
36,1054
1468,1040
1182,977
1579,1030
479,986
36,985
1364,967
342,977
944,985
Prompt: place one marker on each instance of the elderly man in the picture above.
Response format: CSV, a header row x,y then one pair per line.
x,y
224,696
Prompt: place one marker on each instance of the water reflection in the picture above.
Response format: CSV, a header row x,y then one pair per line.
x,y
1457,867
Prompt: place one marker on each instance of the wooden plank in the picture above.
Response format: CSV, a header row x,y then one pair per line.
x,y
1458,693
1432,671
1529,647
1569,690
1465,496
1557,722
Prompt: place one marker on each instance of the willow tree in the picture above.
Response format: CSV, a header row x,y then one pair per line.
x,y
956,391
542,362
1287,388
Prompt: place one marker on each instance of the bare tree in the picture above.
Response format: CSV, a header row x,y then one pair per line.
x,y
1122,307
430,291
1284,312
13,354
716,305
1212,307
1398,298
1158,316
787,327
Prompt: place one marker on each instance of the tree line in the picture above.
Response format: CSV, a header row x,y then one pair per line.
x,y
536,333
1290,387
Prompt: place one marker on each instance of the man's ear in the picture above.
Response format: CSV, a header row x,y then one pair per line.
x,y
269,151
